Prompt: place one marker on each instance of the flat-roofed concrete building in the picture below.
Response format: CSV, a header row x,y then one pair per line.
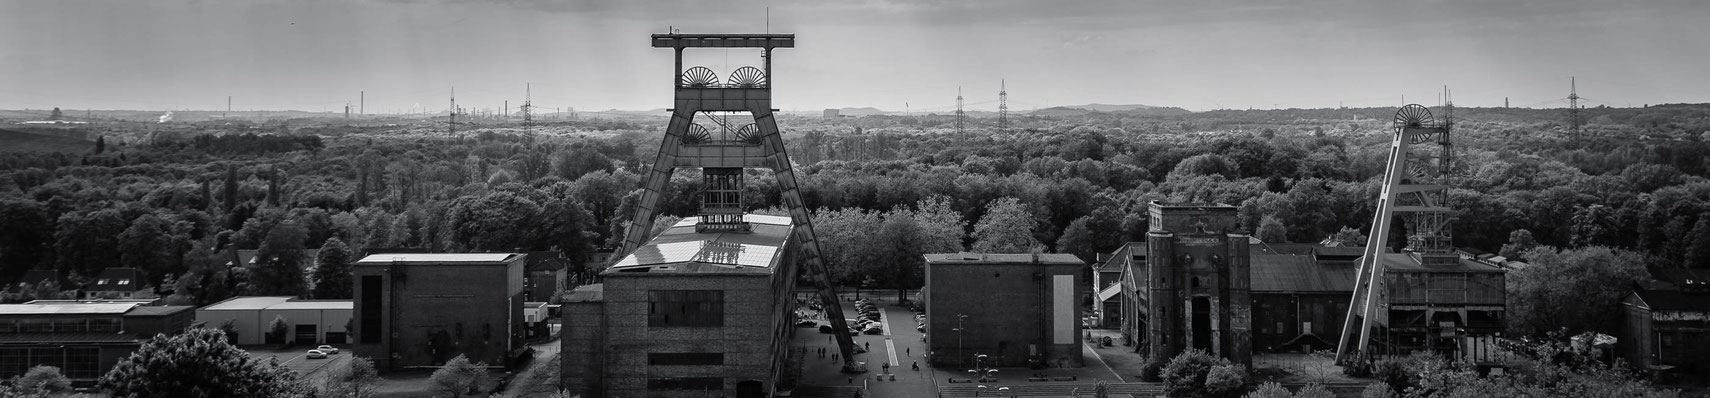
x,y
688,314
309,322
422,309
82,338
1013,308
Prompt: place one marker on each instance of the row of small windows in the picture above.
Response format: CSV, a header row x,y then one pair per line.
x,y
686,383
667,308
685,358
66,325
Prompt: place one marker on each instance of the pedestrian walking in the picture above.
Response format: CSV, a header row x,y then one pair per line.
x,y
909,351
867,346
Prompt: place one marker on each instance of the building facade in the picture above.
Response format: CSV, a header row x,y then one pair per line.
x,y
688,314
1195,290
1666,323
422,309
307,322
1026,309
83,339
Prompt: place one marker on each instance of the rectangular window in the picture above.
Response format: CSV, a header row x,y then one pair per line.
x,y
685,358
686,383
667,308
368,330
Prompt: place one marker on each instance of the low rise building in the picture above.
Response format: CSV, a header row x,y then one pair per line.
x,y
249,320
1666,322
82,338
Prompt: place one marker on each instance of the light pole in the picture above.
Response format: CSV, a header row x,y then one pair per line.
x,y
960,318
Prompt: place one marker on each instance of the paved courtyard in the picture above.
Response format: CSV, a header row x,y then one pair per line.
x,y
902,347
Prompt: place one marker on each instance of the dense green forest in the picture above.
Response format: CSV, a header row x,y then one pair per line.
x,y
173,199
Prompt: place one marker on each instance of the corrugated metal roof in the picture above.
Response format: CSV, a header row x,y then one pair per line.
x,y
1297,273
1404,262
1675,300
314,305
257,303
67,308
438,258
158,310
246,303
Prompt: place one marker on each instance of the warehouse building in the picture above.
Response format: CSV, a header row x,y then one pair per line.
x,y
249,320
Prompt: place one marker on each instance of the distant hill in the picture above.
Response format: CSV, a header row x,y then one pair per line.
x,y
1110,108
1135,110
18,141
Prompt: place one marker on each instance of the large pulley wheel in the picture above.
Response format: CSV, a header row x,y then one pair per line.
x,y
1412,115
748,77
700,77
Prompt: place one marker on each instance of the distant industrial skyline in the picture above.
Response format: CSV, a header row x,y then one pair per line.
x,y
887,54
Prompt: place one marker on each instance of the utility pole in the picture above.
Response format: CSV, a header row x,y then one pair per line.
x,y
959,114
228,107
362,102
528,104
451,126
1003,106
1573,104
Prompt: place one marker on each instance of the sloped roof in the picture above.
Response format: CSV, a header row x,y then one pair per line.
x,y
587,294
1298,273
1404,262
1675,300
680,249
122,279
63,308
158,310
1339,251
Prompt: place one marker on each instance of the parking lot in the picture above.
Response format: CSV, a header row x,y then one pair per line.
x,y
297,359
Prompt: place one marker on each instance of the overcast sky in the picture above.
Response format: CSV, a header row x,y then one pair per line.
x,y
317,55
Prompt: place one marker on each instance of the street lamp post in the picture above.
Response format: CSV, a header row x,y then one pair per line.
x,y
960,319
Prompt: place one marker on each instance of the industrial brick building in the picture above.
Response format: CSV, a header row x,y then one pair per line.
x,y
1015,308
687,314
1666,322
1194,289
308,322
421,309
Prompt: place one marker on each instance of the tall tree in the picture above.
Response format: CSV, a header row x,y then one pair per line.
x,y
1271,230
1007,227
1579,289
332,271
149,245
198,363
896,252
278,269
499,221
1077,240
88,242
1698,251
1347,237
1520,242
942,228
231,189
26,236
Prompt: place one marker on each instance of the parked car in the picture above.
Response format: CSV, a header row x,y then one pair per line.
x,y
317,354
330,350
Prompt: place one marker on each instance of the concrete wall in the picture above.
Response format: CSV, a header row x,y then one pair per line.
x,y
583,348
324,321
1013,310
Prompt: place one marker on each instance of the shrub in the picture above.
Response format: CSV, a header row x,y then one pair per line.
x,y
1358,368
1392,372
1185,374
1152,371
1270,390
1377,390
1225,380
43,379
1314,390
